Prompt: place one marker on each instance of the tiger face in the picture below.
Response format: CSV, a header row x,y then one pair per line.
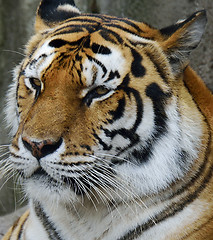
x,y
96,111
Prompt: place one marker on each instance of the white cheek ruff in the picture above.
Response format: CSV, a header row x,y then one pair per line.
x,y
10,109
164,165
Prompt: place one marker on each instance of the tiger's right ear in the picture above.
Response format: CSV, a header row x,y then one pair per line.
x,y
52,12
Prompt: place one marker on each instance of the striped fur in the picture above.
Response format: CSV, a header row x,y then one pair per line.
x,y
112,130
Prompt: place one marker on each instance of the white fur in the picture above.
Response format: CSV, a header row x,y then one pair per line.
x,y
68,8
11,105
41,62
113,62
34,230
84,220
162,168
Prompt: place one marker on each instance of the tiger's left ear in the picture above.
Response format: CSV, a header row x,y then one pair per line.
x,y
52,12
181,38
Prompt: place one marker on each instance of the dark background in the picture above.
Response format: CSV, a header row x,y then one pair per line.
x,y
16,25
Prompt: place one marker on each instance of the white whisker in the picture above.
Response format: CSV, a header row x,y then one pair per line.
x,y
12,51
121,185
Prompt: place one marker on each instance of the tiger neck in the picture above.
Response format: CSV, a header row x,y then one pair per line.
x,y
203,99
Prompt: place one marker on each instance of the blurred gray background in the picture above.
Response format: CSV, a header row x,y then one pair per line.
x,y
16,26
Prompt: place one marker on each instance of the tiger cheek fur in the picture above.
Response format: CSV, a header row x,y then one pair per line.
x,y
112,129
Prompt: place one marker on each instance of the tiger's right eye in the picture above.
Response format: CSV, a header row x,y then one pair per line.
x,y
35,83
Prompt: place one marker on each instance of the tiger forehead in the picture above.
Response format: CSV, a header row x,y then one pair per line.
x,y
89,56
102,44
110,28
94,23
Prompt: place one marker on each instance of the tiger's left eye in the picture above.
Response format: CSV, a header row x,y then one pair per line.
x,y
97,92
101,90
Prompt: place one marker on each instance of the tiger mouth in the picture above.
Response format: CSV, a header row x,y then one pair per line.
x,y
41,173
80,185
42,176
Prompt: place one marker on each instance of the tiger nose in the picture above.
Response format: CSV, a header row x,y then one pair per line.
x,y
42,148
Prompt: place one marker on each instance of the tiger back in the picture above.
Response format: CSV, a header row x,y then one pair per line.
x,y
112,130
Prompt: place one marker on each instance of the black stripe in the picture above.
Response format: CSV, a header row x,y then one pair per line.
x,y
86,18
15,224
112,76
80,78
34,61
76,43
68,29
132,24
159,66
87,42
21,97
137,69
125,82
159,98
78,24
21,73
48,226
96,16
22,228
118,113
99,63
62,56
139,110
107,37
126,134
192,180
129,133
96,48
121,21
57,43
114,25
104,145
77,29
106,32
86,146
136,43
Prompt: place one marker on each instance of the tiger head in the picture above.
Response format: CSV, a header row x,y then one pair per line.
x,y
98,107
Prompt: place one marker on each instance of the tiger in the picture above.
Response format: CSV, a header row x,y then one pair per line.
x,y
111,129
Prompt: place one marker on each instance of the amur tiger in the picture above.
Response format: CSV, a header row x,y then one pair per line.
x,y
112,130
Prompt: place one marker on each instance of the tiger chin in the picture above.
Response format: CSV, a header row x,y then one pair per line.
x,y
112,130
